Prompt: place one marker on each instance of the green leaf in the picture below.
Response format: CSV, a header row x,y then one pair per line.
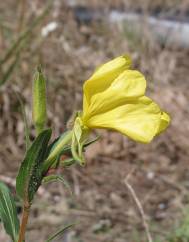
x,y
30,174
53,178
59,233
8,213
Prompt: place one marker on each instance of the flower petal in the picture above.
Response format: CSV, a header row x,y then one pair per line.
x,y
165,120
105,74
128,86
139,120
85,104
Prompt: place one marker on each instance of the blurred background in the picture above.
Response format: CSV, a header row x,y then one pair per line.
x,y
70,38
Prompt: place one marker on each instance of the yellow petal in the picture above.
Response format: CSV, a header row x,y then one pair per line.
x,y
165,120
85,104
128,86
104,75
138,120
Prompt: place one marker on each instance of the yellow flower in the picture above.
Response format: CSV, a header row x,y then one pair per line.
x,y
114,98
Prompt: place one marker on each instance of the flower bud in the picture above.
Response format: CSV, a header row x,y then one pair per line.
x,y
39,101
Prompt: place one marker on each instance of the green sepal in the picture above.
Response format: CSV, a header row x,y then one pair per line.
x,y
8,214
76,149
30,174
79,138
67,149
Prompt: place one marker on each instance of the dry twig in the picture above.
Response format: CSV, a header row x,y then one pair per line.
x,y
139,206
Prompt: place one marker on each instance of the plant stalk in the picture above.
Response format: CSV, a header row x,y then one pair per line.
x,y
53,155
25,216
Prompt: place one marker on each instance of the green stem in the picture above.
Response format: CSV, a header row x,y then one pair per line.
x,y
52,157
39,128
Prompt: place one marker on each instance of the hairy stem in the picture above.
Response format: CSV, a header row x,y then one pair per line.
x,y
25,216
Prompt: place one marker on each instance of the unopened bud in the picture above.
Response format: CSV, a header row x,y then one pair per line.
x,y
39,101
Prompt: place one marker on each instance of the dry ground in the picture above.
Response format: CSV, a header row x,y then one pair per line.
x,y
101,205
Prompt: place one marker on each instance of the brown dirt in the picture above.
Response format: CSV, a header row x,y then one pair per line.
x,y
101,205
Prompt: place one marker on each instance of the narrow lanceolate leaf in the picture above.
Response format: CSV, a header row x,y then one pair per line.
x,y
30,174
8,213
59,233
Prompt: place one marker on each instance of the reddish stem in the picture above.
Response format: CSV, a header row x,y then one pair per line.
x,y
25,215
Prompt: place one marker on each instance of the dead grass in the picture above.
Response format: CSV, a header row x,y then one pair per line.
x,y
101,204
